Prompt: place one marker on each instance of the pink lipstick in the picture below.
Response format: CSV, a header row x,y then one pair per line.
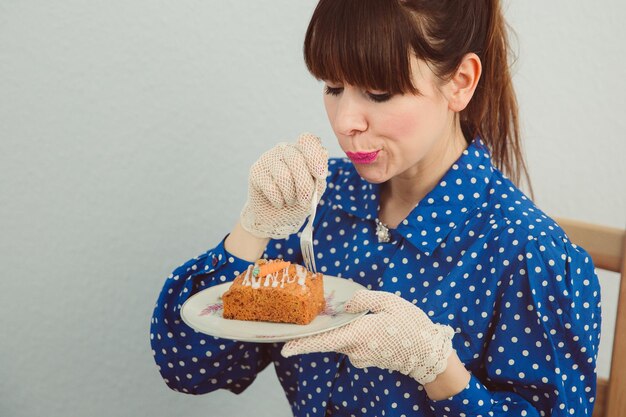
x,y
363,157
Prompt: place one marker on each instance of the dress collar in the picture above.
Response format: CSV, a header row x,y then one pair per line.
x,y
460,190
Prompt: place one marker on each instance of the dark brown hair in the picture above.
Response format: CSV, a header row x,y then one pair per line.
x,y
369,43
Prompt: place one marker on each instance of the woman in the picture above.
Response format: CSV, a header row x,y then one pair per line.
x,y
479,304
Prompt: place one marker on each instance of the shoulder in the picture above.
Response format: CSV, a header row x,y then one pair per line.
x,y
527,236
538,254
510,208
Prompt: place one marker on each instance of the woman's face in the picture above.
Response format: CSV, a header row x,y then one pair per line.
x,y
386,136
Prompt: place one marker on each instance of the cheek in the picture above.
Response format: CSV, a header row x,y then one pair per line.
x,y
329,105
419,121
404,124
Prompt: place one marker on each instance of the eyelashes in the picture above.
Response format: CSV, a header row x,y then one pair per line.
x,y
379,98
376,98
333,91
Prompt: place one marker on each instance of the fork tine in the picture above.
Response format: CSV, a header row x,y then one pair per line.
x,y
306,255
312,258
303,247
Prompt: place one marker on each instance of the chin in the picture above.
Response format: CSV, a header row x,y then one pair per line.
x,y
371,174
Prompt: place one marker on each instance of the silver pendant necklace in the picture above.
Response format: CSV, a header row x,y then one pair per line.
x,y
382,232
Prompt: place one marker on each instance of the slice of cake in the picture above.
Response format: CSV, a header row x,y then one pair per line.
x,y
277,291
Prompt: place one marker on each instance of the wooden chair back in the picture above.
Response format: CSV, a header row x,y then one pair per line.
x,y
607,247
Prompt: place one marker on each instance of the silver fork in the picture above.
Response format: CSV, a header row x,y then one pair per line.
x,y
306,238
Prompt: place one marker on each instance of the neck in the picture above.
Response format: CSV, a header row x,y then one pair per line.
x,y
401,193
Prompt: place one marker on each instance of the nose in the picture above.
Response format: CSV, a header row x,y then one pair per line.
x,y
349,117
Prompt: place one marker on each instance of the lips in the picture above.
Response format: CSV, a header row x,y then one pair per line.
x,y
363,157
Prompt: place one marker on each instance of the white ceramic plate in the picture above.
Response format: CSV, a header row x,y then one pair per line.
x,y
203,312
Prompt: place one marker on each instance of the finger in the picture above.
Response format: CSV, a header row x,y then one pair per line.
x,y
261,181
283,179
262,176
360,362
315,154
367,300
321,187
332,341
304,182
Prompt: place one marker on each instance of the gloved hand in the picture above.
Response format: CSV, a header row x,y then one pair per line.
x,y
398,336
281,185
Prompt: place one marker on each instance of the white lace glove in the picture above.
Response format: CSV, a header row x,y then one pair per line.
x,y
280,187
399,336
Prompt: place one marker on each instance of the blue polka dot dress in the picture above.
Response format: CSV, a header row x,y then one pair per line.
x,y
475,254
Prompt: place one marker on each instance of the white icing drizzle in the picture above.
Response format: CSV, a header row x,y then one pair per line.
x,y
301,272
251,280
274,279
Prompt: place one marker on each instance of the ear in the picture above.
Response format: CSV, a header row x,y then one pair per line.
x,y
463,83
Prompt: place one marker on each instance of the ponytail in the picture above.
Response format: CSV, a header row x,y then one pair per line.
x,y
492,113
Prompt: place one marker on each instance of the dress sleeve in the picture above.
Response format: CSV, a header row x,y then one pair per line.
x,y
190,361
540,358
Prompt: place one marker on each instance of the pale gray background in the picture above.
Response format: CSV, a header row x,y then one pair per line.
x,y
126,132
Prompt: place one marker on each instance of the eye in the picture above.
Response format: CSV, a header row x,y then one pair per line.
x,y
379,97
333,91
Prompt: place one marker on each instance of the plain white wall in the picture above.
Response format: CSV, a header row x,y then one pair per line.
x,y
126,133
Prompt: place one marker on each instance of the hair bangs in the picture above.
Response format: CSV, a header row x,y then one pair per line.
x,y
366,43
